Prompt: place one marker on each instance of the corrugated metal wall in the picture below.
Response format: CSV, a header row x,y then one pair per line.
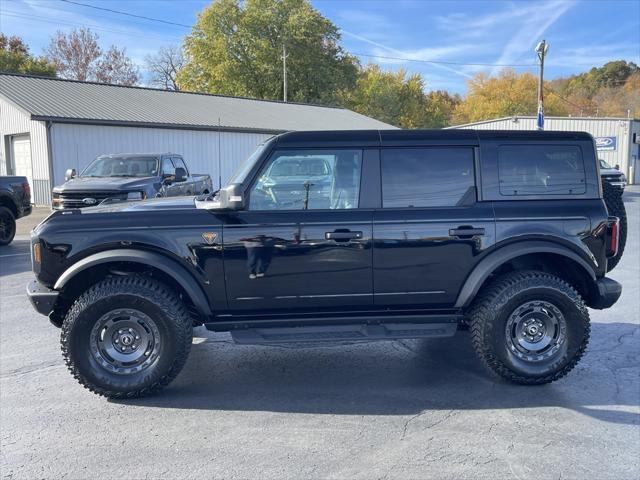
x,y
598,127
75,146
14,122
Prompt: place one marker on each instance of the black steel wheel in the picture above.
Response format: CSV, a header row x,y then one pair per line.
x,y
126,337
529,327
7,226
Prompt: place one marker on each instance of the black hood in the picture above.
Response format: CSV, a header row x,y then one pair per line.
x,y
125,184
155,204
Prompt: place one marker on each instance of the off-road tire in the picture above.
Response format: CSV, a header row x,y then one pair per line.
x,y
615,206
8,227
146,295
495,304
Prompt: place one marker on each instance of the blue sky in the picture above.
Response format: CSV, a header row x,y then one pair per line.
x,y
581,33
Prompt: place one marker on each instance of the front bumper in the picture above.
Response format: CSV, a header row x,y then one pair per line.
x,y
42,298
608,293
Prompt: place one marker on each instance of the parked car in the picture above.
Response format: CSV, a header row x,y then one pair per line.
x,y
15,202
503,233
129,176
612,175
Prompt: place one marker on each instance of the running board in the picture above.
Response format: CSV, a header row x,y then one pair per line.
x,y
332,333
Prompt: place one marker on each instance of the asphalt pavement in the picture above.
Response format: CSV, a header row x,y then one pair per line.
x,y
392,410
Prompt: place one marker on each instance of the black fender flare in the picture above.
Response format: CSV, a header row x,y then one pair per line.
x,y
492,261
163,263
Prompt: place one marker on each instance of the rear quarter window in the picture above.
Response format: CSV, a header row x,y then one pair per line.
x,y
541,170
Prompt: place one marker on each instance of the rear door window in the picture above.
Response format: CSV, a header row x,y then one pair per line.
x,y
426,177
540,170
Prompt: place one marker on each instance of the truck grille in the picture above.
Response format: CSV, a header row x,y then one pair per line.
x,y
83,199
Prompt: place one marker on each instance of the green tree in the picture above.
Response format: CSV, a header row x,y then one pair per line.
x,y
391,97
508,94
236,48
441,106
15,58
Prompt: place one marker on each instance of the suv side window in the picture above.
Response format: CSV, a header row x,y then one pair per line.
x,y
308,180
167,167
426,177
541,170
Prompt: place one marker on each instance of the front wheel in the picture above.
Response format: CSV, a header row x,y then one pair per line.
x,y
529,327
126,337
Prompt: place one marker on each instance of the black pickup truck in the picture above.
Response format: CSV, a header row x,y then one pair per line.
x,y
15,202
353,236
127,176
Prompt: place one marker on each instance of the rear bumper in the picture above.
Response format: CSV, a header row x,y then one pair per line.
x,y
42,298
608,293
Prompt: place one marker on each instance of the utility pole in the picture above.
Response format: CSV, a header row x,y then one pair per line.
x,y
541,49
284,69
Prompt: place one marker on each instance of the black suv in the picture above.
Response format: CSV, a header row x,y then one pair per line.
x,y
361,235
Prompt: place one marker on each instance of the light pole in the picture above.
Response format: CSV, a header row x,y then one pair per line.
x,y
541,49
284,70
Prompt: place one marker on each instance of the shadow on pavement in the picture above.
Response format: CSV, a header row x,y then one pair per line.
x,y
395,378
15,257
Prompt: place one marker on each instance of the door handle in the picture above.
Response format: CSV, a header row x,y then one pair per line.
x,y
463,232
342,235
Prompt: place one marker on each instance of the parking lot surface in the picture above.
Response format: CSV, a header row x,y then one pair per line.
x,y
402,409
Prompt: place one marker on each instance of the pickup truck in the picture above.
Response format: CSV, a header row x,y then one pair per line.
x,y
15,202
387,235
129,176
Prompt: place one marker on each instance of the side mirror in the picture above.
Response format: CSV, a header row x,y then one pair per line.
x,y
617,167
69,174
181,175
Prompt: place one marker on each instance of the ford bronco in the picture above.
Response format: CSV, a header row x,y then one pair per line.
x,y
342,236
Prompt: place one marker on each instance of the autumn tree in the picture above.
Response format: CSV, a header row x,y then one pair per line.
x,y
392,97
236,48
78,56
164,67
508,94
15,58
440,107
114,66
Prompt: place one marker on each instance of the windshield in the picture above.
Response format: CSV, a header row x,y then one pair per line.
x,y
122,166
604,164
244,169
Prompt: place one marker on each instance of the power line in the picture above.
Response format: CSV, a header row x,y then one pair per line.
x,y
442,62
37,18
119,12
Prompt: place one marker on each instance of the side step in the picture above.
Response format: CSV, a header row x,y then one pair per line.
x,y
332,333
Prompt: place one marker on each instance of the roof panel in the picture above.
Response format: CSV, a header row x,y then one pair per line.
x,y
85,101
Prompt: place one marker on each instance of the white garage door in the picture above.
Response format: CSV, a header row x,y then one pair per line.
x,y
21,155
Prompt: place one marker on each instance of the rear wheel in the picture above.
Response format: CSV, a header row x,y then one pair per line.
x,y
615,206
529,327
126,337
7,226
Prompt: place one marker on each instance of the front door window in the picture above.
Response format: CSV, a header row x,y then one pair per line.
x,y
308,180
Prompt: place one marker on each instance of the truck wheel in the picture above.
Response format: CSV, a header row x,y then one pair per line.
x,y
529,327
126,337
615,206
7,226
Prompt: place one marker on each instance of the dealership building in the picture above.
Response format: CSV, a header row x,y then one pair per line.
x,y
48,125
617,139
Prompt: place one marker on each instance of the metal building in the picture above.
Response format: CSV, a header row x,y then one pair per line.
x,y
48,125
617,139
